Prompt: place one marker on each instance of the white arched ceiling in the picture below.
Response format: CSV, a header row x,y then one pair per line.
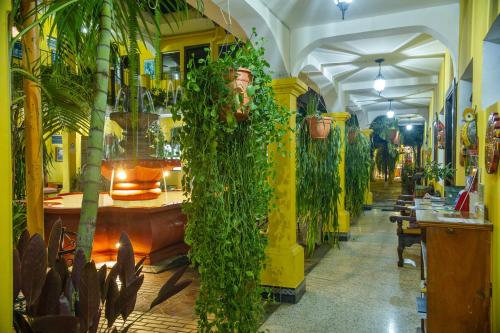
x,y
440,22
254,14
308,39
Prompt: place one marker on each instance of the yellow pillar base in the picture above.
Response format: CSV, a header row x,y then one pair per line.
x,y
284,267
369,198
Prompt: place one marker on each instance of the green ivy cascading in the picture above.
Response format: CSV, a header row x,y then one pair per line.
x,y
227,173
357,170
318,183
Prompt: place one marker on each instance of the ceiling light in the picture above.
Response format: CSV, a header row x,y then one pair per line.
x,y
390,113
409,127
343,6
379,84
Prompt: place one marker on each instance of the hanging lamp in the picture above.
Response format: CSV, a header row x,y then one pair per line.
x,y
379,83
409,127
390,113
343,6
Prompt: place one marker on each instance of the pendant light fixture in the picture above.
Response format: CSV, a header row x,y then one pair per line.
x,y
379,84
409,127
343,6
390,113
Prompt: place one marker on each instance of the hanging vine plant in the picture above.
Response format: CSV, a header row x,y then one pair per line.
x,y
227,174
318,184
358,170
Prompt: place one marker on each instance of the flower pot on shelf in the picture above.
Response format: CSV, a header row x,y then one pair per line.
x,y
319,127
238,84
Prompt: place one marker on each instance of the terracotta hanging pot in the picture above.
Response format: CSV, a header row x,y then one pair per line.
x,y
319,127
394,136
351,136
238,84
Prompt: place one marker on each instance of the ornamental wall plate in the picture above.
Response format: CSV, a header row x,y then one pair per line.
x,y
492,143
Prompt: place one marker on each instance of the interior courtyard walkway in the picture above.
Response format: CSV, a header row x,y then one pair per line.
x,y
358,287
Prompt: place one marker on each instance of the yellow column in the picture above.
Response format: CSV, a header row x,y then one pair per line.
x,y
285,258
368,195
6,174
339,119
69,159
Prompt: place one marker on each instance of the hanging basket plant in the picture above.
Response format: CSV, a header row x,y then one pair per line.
x,y
318,185
227,183
358,167
239,81
319,126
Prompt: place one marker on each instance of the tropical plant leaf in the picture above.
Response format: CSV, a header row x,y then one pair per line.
x,y
78,264
126,260
113,274
64,305
102,280
22,243
69,290
128,296
166,293
16,274
89,296
48,303
139,265
172,281
61,268
56,324
33,269
21,324
53,246
95,322
111,311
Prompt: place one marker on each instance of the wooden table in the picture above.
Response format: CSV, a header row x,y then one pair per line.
x,y
456,252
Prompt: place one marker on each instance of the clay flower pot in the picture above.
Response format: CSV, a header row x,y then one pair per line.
x,y
238,85
351,136
319,127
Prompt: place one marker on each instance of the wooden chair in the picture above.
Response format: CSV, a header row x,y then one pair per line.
x,y
407,230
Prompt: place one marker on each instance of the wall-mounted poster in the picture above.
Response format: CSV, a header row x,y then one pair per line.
x,y
57,139
59,154
149,67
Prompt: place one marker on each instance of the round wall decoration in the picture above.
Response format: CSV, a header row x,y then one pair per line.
x,y
492,144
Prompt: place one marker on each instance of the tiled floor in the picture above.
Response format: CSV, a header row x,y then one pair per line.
x,y
357,288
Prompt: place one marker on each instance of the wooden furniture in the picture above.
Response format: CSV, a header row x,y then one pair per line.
x,y
407,230
456,249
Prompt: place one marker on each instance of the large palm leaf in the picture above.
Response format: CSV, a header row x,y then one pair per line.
x,y
89,50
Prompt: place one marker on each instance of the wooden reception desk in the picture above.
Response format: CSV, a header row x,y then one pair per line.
x,y
457,264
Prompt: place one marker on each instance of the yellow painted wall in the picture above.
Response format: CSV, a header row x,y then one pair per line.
x,y
445,82
55,172
481,15
6,177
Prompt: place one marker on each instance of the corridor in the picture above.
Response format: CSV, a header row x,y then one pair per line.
x,y
357,287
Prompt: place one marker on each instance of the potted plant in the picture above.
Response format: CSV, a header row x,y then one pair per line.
x,y
239,81
228,179
319,126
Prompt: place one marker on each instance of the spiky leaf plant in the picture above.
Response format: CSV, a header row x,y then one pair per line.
x,y
318,184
